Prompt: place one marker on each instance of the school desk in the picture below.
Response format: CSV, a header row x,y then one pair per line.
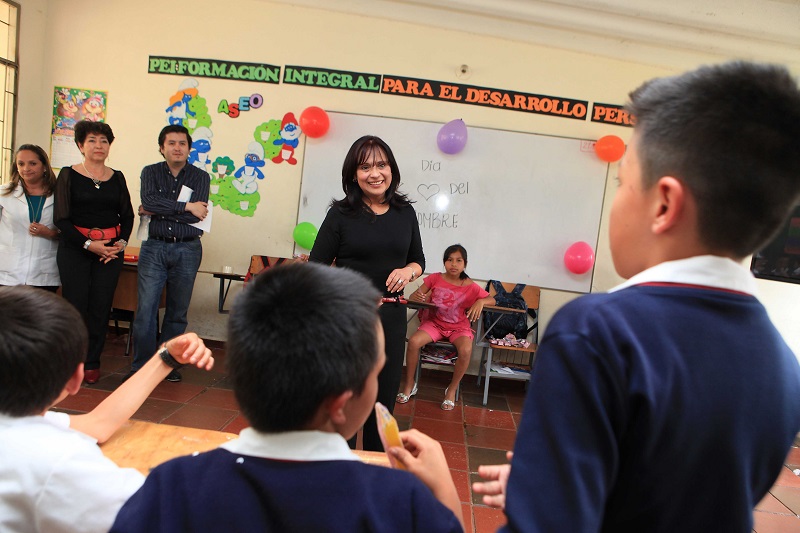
x,y
223,290
145,445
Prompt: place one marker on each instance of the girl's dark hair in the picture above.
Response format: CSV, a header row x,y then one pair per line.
x,y
359,152
49,175
85,127
460,249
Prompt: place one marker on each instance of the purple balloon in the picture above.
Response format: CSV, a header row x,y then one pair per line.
x,y
452,137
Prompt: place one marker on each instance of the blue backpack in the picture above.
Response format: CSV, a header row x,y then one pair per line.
x,y
516,323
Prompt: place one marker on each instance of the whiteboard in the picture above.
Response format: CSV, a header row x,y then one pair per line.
x,y
515,201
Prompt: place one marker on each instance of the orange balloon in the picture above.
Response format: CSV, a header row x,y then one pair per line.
x,y
609,148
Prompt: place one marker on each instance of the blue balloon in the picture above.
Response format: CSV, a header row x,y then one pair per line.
x,y
452,137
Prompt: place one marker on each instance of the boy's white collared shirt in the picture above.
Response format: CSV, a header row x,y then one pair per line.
x,y
703,270
292,446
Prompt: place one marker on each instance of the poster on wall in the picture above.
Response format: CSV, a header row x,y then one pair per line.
x,y
69,107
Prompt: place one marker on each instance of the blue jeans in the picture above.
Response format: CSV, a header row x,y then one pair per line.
x,y
162,263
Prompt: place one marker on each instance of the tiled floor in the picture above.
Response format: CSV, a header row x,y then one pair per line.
x,y
471,434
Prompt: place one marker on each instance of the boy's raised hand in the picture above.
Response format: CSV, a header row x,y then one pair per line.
x,y
189,349
494,488
423,457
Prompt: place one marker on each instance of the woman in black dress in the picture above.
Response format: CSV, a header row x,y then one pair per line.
x,y
94,214
374,230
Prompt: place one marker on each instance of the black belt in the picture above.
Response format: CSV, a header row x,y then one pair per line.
x,y
174,239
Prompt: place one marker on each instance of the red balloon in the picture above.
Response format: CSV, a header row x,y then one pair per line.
x,y
314,122
579,258
609,148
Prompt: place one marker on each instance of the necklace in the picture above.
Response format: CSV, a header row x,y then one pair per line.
x,y
35,217
96,181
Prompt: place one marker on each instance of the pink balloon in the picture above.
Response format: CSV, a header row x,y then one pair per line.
x,y
579,258
452,137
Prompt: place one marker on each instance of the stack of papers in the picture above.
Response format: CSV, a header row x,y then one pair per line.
x,y
500,368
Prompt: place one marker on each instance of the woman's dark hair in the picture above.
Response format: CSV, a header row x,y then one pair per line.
x,y
460,249
359,152
49,175
85,127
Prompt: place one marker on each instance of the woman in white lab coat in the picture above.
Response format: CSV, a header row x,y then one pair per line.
x,y
28,237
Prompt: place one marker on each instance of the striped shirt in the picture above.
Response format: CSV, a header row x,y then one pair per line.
x,y
160,190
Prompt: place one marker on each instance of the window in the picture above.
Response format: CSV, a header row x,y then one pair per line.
x,y
9,68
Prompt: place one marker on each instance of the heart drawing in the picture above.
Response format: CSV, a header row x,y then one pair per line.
x,y
427,191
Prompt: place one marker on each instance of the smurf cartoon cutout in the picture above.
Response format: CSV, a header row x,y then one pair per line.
x,y
290,133
201,146
245,181
178,110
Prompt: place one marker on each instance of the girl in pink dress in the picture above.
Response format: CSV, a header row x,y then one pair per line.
x,y
459,301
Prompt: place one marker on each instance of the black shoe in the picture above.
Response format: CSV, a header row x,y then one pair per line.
x,y
174,376
127,376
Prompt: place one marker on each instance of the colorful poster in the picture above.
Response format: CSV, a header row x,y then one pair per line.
x,y
69,107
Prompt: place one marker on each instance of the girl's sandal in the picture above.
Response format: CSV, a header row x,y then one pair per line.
x,y
448,405
403,398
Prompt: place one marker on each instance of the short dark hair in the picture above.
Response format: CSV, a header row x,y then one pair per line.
x,y
460,249
42,342
359,152
299,334
85,127
729,132
172,128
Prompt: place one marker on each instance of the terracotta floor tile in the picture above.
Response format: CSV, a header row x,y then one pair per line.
x,y
434,410
462,483
515,403
404,409
787,478
485,456
236,425
403,422
466,513
775,523
154,410
440,430
499,439
793,458
474,416
216,398
497,403
176,392
202,377
487,520
771,504
788,496
86,399
223,383
517,419
195,416
456,455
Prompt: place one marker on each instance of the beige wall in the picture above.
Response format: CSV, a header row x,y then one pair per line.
x,y
106,45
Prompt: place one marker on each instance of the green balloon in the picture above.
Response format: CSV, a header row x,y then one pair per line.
x,y
305,234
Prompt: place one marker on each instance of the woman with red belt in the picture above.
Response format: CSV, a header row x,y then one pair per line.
x,y
94,214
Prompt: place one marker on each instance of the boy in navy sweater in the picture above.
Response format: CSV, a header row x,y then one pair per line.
x,y
670,403
305,347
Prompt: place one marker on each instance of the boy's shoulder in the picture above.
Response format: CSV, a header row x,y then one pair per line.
x,y
261,491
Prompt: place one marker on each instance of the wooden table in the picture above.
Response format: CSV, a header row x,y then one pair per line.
x,y
145,445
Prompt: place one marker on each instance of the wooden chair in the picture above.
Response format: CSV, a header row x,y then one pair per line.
x,y
517,360
260,263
